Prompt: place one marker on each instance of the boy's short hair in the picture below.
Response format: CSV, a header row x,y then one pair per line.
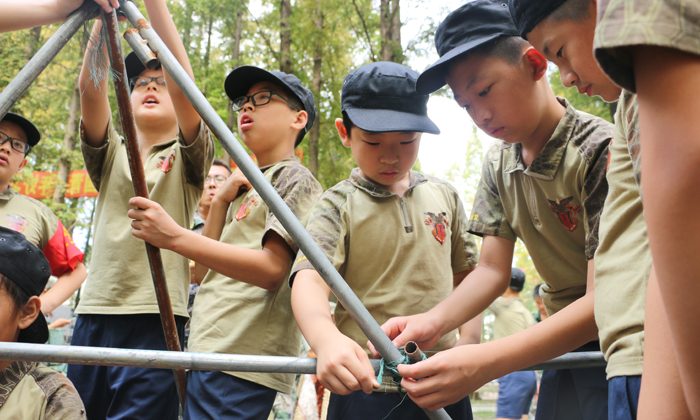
x,y
381,97
529,13
477,26
242,78
220,162
30,130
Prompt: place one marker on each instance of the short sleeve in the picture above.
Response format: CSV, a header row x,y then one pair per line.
x,y
197,156
488,216
465,251
595,190
61,252
97,157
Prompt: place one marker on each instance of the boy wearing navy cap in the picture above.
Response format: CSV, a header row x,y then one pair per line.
x,y
544,183
243,306
398,237
30,390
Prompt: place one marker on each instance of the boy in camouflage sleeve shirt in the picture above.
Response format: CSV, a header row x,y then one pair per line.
x,y
544,183
397,237
243,305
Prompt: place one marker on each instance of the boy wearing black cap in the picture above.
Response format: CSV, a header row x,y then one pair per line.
x,y
33,218
398,237
29,390
118,307
243,306
544,183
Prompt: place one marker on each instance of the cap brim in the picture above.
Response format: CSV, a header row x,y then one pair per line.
x,y
37,332
239,81
433,78
33,135
385,120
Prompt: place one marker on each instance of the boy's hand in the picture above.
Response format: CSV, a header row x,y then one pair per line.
x,y
67,7
343,366
424,329
152,224
235,184
448,376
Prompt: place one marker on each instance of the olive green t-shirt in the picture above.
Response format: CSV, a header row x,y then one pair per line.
x,y
119,279
623,259
553,206
32,391
511,317
398,254
231,316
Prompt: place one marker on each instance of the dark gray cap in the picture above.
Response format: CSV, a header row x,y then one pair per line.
x,y
33,135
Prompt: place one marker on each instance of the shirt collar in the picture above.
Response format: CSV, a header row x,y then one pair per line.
x,y
8,194
375,190
11,376
289,159
547,161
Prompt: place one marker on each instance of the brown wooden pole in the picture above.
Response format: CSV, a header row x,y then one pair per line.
x,y
141,190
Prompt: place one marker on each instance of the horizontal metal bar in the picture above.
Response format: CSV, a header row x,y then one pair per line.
x,y
158,359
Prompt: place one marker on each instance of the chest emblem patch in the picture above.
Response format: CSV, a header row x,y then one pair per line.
x,y
166,162
247,205
565,211
16,223
439,223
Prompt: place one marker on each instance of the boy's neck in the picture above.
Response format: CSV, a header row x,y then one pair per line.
x,y
510,293
153,135
552,113
4,186
272,156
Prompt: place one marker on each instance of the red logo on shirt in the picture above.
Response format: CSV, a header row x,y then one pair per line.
x,y
439,224
166,163
16,222
248,204
565,211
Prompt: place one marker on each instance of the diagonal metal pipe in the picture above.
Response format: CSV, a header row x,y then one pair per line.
x,y
312,252
16,88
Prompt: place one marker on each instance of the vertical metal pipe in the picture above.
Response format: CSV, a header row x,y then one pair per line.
x,y
16,88
141,189
314,254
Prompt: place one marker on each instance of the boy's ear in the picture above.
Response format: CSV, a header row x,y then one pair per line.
x,y
342,132
22,165
29,312
536,62
300,121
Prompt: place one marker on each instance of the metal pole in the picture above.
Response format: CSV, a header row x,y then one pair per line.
x,y
313,253
141,189
157,359
413,352
16,88
138,44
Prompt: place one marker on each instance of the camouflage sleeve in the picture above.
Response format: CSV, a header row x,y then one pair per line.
x,y
63,401
300,191
197,156
488,216
465,252
595,186
328,229
96,158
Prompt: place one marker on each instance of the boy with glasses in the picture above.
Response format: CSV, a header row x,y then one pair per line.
x,y
119,307
33,218
243,305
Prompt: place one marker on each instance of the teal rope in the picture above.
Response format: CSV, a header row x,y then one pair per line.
x,y
392,368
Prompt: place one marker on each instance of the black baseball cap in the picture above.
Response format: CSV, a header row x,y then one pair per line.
x,y
134,67
24,264
471,25
239,81
528,13
33,135
382,97
517,279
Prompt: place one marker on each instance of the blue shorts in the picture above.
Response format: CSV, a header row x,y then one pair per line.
x,y
112,392
574,394
376,406
216,395
623,399
515,392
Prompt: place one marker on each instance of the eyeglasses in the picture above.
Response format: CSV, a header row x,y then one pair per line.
x,y
18,145
259,98
144,80
218,179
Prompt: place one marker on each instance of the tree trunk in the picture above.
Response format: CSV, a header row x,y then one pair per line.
x,y
33,43
207,53
285,36
69,141
237,34
315,132
187,27
390,31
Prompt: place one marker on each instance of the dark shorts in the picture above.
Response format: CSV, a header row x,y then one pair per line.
x,y
111,392
378,405
515,392
623,398
574,394
216,395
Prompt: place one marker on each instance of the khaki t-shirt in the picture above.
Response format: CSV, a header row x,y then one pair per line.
x,y
398,254
511,317
231,316
553,206
623,260
119,280
32,391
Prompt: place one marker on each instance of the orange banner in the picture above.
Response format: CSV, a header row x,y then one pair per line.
x,y
42,185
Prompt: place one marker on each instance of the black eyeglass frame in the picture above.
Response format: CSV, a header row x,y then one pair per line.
x,y
27,146
218,179
133,80
236,108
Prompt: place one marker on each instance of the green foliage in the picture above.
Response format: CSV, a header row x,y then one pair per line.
x,y
594,106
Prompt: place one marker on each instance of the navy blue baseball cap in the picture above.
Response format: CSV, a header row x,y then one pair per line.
x,y
382,97
25,265
134,67
517,279
32,133
528,13
471,25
